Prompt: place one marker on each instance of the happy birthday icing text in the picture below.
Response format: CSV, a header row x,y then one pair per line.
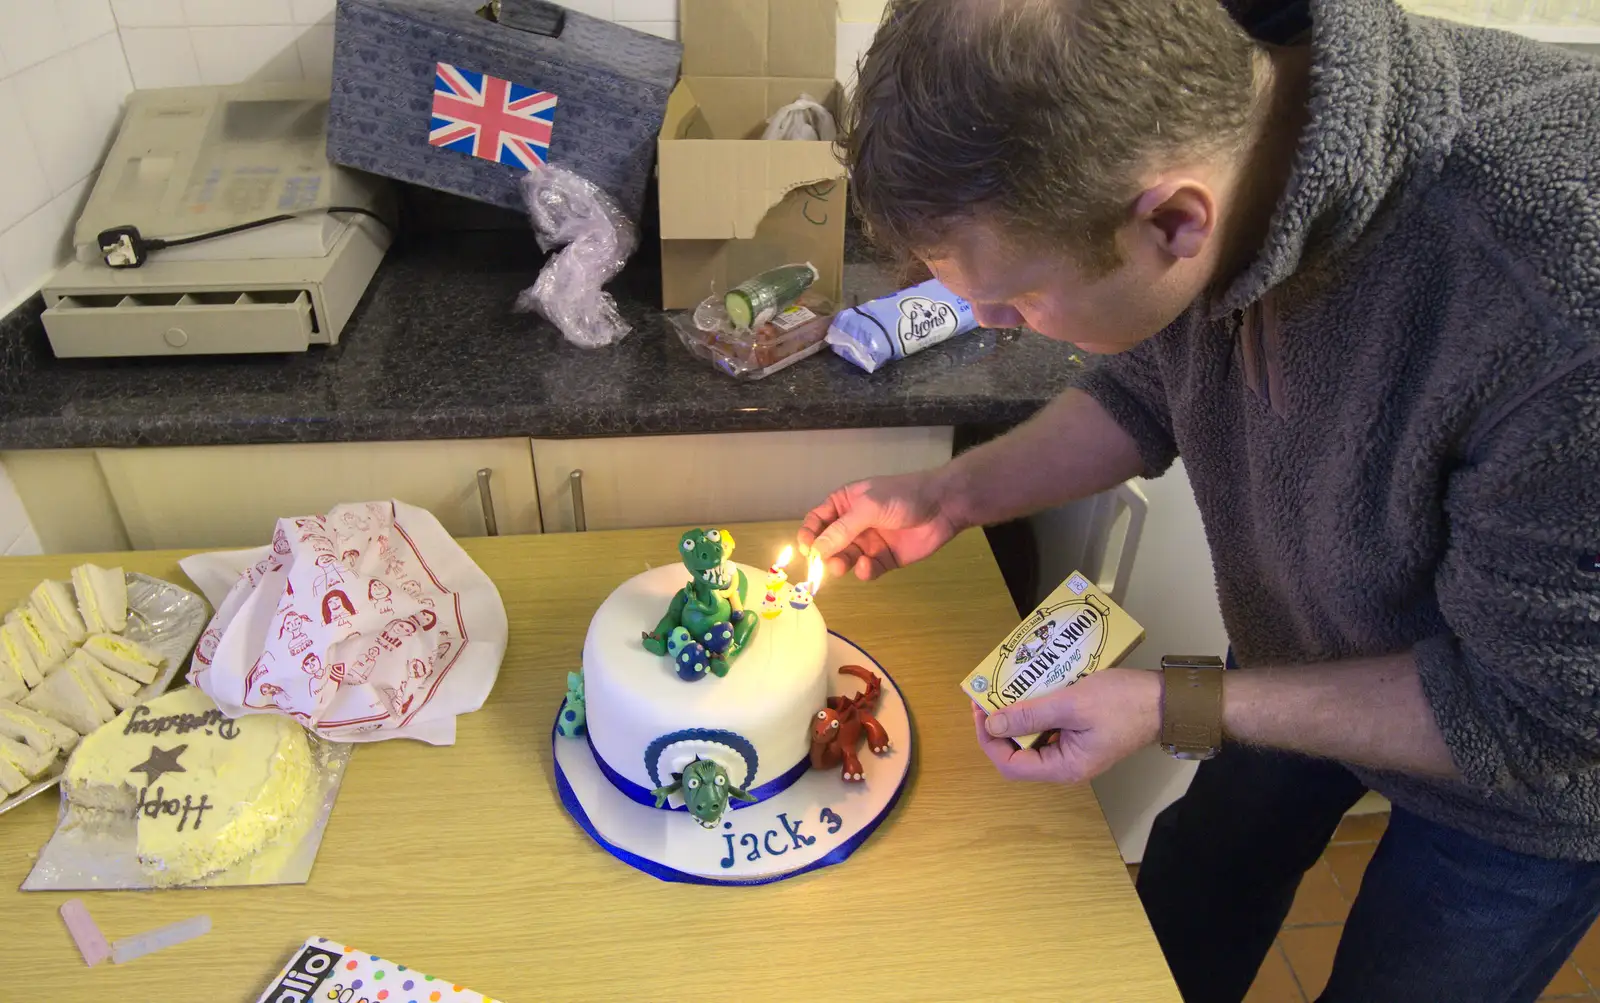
x,y
140,722
162,805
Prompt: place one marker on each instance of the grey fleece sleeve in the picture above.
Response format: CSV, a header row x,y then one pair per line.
x,y
1129,387
1515,688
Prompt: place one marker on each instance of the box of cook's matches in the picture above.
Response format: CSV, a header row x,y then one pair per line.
x,y
1075,631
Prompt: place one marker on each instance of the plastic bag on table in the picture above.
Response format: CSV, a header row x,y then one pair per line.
x,y
596,238
802,119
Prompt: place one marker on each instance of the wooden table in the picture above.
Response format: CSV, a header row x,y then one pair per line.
x,y
461,863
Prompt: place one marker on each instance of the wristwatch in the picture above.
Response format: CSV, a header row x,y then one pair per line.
x,y
1191,706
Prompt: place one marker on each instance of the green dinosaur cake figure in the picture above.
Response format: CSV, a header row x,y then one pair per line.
x,y
706,626
706,791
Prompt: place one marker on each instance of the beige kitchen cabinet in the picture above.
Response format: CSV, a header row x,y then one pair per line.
x,y
679,480
232,496
67,500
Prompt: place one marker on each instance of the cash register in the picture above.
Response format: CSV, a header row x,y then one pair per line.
x,y
219,226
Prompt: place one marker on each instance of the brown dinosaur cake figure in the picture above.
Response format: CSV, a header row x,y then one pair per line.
x,y
837,728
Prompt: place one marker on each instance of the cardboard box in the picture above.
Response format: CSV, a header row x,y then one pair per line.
x,y
733,205
432,93
1075,631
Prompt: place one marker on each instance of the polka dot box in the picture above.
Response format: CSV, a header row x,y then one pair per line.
x,y
326,971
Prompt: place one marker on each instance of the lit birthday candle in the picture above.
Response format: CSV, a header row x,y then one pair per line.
x,y
777,585
800,597
778,570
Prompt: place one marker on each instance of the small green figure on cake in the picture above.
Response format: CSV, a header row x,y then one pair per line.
x,y
707,625
706,791
570,723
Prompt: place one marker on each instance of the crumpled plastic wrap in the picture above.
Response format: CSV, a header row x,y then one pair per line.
x,y
94,849
596,237
805,119
165,617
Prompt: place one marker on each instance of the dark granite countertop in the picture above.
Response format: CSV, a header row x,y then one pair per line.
x,y
435,351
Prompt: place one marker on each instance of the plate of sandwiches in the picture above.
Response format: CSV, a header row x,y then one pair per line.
x,y
74,655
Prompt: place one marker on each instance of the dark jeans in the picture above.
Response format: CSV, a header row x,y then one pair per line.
x,y
1441,916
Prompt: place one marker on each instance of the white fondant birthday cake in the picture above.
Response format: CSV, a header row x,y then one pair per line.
x,y
207,792
719,733
647,723
703,683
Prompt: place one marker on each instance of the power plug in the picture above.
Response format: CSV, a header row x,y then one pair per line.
x,y
124,247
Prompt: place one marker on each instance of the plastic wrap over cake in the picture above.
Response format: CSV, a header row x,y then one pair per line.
x,y
366,623
173,793
162,616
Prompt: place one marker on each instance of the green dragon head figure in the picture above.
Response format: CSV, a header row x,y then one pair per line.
x,y
706,624
706,791
706,553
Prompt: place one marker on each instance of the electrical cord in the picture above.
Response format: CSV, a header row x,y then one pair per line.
x,y
126,247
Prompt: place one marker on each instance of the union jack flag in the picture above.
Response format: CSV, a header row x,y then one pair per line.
x,y
484,116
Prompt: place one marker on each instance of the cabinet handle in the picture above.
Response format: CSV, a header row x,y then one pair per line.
x,y
1125,497
580,519
491,525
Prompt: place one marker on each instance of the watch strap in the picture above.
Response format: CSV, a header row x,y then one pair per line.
x,y
1191,706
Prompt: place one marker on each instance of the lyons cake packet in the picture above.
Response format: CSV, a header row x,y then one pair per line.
x,y
1076,630
892,327
363,624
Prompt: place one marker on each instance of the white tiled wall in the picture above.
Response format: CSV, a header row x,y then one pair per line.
x,y
176,42
172,43
62,82
858,19
181,43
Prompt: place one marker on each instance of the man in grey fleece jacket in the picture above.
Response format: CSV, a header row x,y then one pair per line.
x,y
1354,281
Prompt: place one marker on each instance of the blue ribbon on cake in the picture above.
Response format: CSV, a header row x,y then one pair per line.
x,y
837,855
643,795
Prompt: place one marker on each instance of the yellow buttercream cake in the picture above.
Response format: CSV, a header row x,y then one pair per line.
x,y
208,791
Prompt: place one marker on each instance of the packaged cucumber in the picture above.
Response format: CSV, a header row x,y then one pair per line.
x,y
757,300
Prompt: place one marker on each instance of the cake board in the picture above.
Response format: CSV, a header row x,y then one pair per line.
x,y
818,821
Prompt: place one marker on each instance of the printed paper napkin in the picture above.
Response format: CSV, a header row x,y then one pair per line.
x,y
364,624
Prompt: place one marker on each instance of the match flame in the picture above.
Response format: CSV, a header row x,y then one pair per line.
x,y
816,573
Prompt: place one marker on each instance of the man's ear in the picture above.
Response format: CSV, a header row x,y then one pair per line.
x,y
1178,214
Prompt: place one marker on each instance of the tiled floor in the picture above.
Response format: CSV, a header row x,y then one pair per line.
x,y
1298,966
